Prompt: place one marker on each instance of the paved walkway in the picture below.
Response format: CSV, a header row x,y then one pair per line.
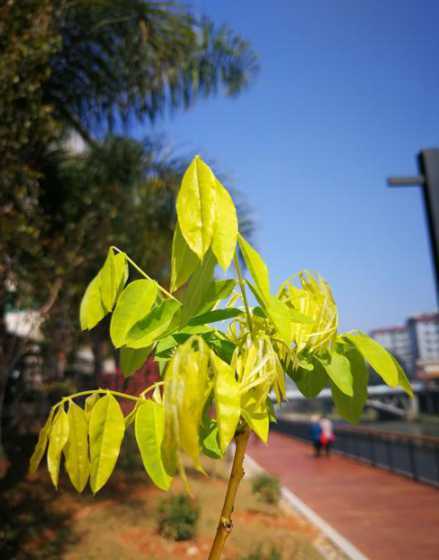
x,y
386,516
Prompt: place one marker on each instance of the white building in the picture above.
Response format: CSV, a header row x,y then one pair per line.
x,y
424,335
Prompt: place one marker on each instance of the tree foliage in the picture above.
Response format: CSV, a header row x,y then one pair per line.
x,y
233,371
87,66
217,384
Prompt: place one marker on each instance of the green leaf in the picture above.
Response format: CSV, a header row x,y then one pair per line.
x,y
339,370
351,408
149,430
132,359
106,431
215,316
311,382
226,227
379,358
195,391
256,414
279,313
402,379
217,291
196,206
133,304
222,347
183,261
158,321
171,396
227,400
76,450
257,267
59,434
90,401
113,276
197,289
41,445
209,436
92,310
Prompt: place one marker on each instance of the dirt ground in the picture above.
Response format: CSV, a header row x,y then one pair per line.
x,y
120,523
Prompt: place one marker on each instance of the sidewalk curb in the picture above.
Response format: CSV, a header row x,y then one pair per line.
x,y
251,466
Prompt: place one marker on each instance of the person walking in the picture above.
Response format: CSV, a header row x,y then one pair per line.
x,y
327,437
316,434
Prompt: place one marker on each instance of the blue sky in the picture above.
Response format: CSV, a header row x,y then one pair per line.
x,y
347,94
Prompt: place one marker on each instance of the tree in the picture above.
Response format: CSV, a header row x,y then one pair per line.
x,y
86,66
125,60
233,372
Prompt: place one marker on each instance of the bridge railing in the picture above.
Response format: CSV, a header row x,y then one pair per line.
x,y
414,456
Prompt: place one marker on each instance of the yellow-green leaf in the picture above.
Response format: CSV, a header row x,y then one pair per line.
x,y
197,290
255,413
378,357
227,400
196,206
59,434
92,310
133,304
351,408
183,261
41,445
113,276
194,379
76,450
152,327
171,397
106,431
280,316
257,267
402,379
132,359
226,227
90,401
339,370
149,430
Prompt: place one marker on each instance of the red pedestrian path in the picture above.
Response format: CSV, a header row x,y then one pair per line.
x,y
384,515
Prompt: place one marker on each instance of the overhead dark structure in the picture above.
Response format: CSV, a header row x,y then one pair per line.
x,y
428,180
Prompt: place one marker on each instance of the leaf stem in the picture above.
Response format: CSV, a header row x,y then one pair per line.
x,y
93,391
143,273
151,388
225,524
243,292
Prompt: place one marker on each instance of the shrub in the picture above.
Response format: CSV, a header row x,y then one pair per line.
x,y
267,487
178,517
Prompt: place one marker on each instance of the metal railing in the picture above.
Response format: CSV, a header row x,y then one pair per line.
x,y
410,455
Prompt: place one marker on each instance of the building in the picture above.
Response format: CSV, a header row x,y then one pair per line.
x,y
424,335
397,339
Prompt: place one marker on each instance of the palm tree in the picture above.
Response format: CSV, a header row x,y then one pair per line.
x,y
125,60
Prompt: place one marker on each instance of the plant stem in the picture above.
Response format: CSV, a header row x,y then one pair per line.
x,y
143,273
225,524
91,391
243,292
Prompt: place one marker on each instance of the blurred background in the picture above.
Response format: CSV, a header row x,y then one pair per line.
x,y
304,109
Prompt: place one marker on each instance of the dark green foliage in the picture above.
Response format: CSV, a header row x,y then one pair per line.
x,y
178,517
267,488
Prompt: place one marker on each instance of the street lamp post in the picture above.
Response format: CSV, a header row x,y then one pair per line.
x,y
428,180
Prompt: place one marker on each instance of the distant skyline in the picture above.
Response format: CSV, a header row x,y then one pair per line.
x,y
347,94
